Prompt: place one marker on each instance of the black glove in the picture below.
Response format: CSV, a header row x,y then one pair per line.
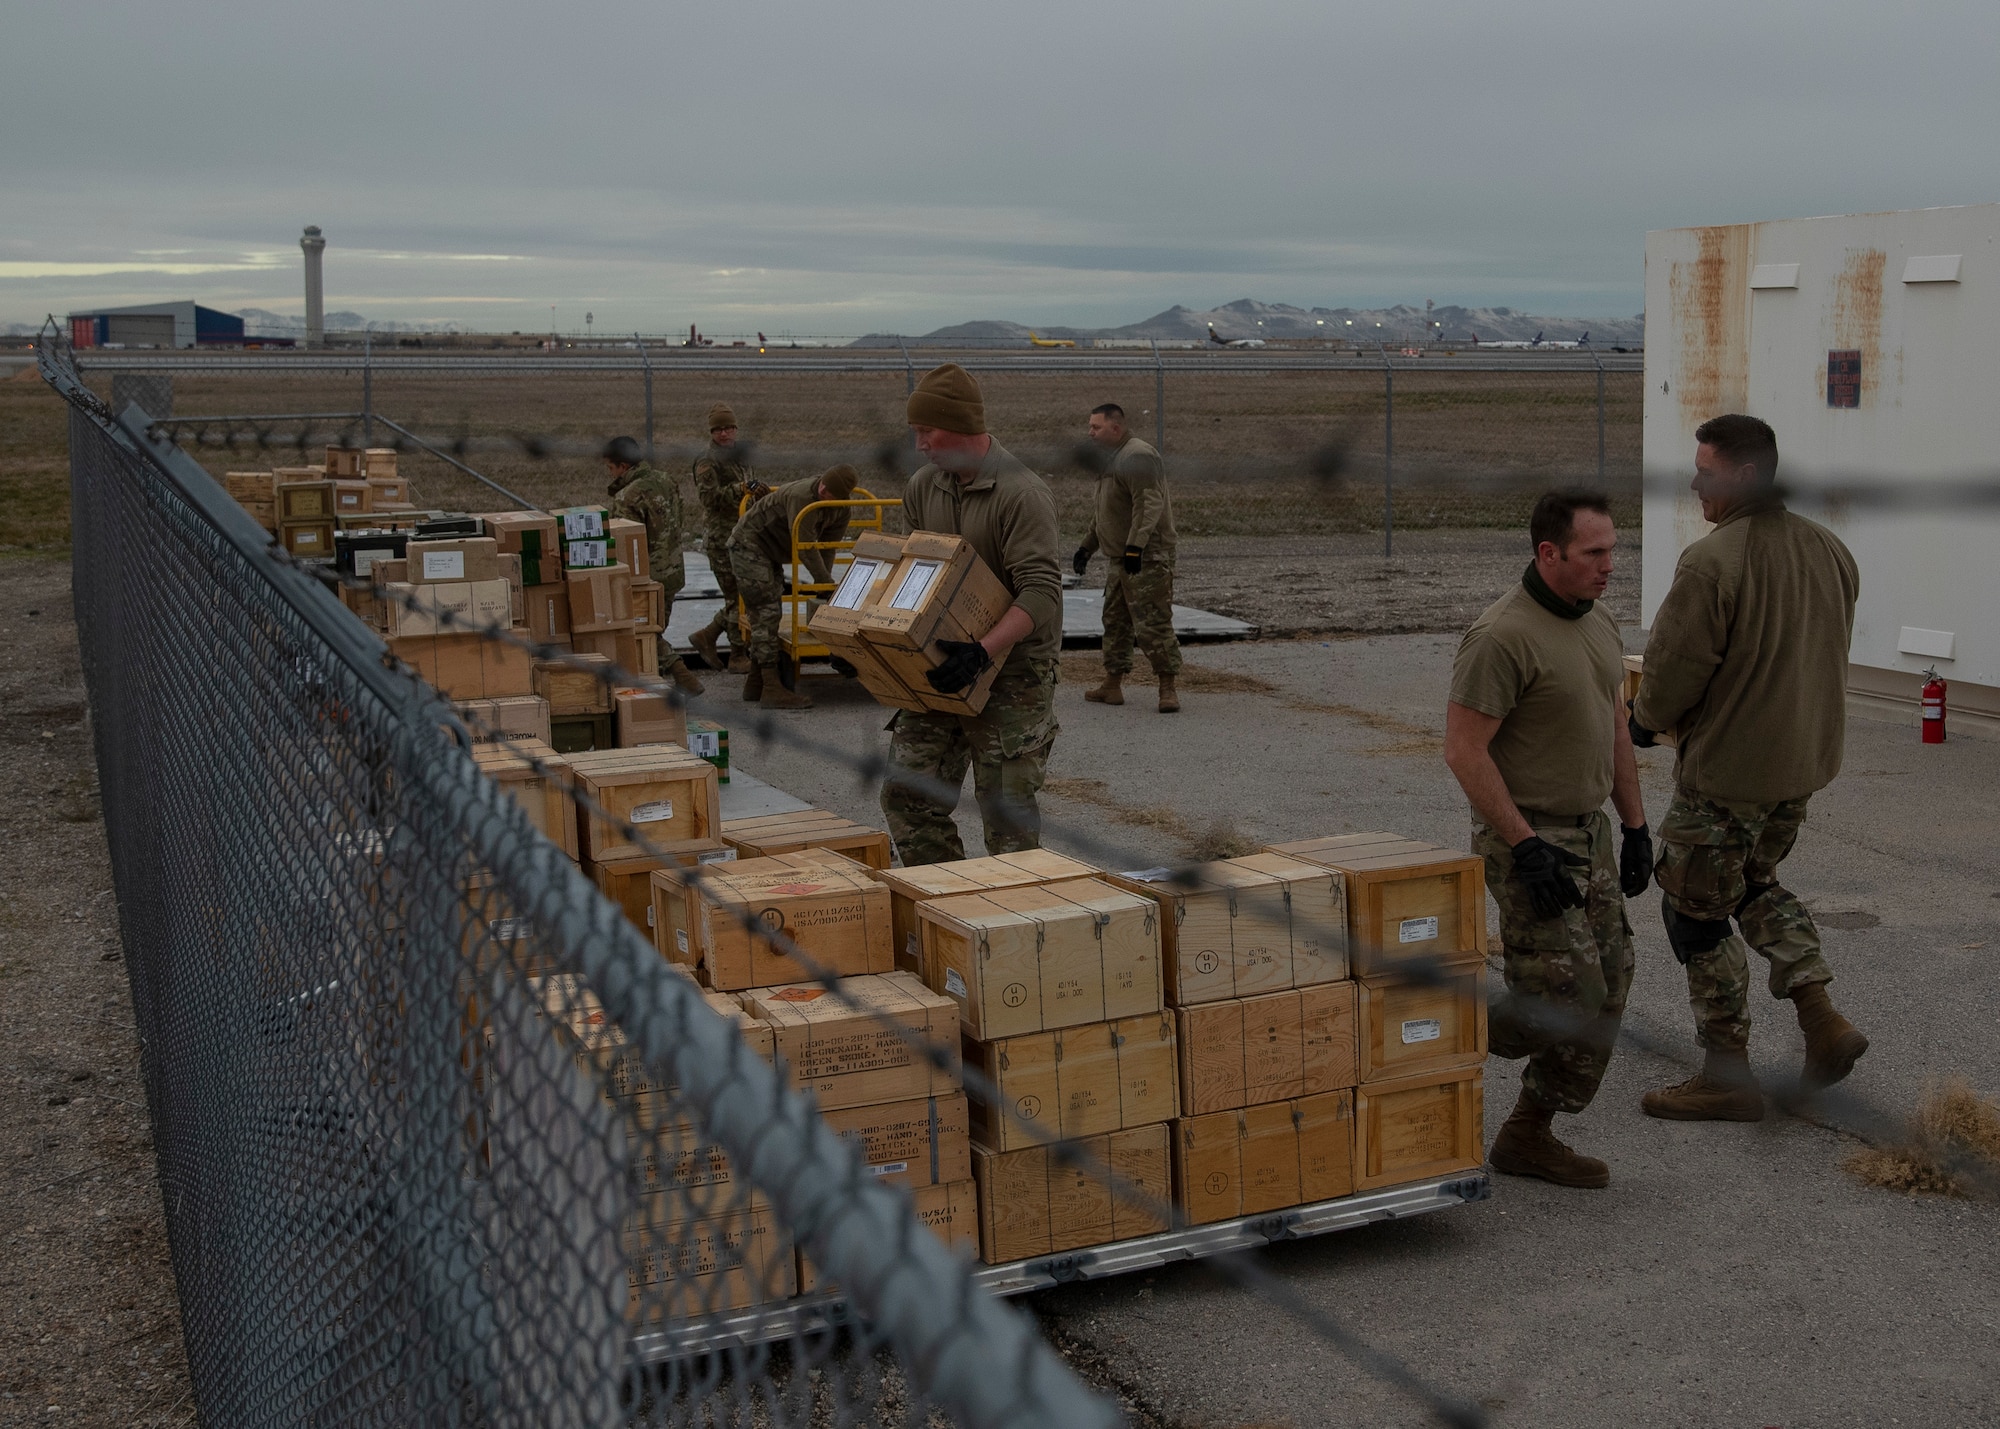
x,y
964,662
1538,867
1131,560
1635,861
757,489
1642,738
1080,561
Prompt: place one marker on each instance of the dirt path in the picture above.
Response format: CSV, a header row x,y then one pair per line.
x,y
89,1325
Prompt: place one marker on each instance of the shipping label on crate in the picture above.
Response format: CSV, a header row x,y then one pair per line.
x,y
583,525
444,565
915,585
589,554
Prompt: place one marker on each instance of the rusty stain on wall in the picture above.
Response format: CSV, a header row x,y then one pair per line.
x,y
1711,298
1857,315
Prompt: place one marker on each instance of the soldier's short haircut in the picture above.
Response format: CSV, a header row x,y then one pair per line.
x,y
624,451
1555,515
1109,409
1737,438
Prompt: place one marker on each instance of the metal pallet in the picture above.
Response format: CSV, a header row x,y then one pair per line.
x,y
817,1313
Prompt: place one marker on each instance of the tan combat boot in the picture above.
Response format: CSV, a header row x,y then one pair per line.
x,y
1170,700
1111,692
753,688
686,678
773,694
1833,1044
739,661
1525,1146
704,644
1723,1090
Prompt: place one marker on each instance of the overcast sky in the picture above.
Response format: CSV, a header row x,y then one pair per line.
x,y
875,165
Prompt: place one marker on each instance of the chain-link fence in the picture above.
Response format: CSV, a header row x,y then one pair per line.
x,y
441,1138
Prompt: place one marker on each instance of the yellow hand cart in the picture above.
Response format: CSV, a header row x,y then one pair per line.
x,y
794,626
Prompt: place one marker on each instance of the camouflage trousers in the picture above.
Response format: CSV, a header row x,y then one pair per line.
x,y
1140,607
1720,860
1566,978
1006,746
763,589
671,579
715,540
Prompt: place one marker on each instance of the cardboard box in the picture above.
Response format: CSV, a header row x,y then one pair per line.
x,y
445,607
534,536
350,498
1405,899
1021,960
382,571
1411,1026
646,718
628,882
807,828
461,558
510,717
739,1259
708,740
921,1142
542,793
1275,1047
1244,926
309,540
359,552
1030,1204
575,685
665,792
310,500
1417,1127
1077,1081
506,670
585,532
850,1058
628,545
837,623
824,904
344,461
619,644
950,1211
600,599
1264,1158
910,886
938,590
545,610
1635,669
466,667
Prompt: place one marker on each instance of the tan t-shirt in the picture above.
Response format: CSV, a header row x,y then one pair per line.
x,y
1553,684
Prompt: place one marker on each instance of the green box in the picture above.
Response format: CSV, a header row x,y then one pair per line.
x,y
573,734
710,741
586,538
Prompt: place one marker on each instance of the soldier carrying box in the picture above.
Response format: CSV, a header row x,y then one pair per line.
x,y
1535,737
760,548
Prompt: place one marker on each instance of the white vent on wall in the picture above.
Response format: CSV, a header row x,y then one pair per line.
x,y
1932,644
1775,275
1934,268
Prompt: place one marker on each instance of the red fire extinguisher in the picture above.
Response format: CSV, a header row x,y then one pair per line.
x,y
1933,707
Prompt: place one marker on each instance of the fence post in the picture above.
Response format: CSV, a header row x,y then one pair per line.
x,y
368,389
909,368
1159,398
646,364
1600,417
1388,455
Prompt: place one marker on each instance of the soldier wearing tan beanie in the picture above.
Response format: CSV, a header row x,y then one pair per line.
x,y
721,480
975,488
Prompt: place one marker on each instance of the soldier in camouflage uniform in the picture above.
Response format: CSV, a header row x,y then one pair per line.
x,y
1134,524
639,492
1534,735
974,488
721,480
1747,664
760,552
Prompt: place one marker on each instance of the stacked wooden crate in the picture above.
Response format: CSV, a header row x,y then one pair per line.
x,y
668,797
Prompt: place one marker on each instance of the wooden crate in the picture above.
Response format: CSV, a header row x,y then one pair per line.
x,y
1244,926
910,886
628,542
1417,1127
1274,1047
1021,960
732,1261
351,498
646,718
924,1141
575,685
1264,1158
650,604
511,717
1031,1204
1078,1081
249,486
1635,670
938,590
950,1211
445,607
826,905
618,644
308,500
628,882
1412,1026
600,598
807,828
309,539
345,461
1405,899
848,1057
545,797
666,793
454,558
379,463
837,623
614,1067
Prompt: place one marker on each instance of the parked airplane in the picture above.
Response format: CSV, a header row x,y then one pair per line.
x,y
1221,341
1034,341
1583,341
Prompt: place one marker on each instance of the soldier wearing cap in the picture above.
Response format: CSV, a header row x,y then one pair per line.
x,y
759,552
1134,526
639,491
974,488
722,478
